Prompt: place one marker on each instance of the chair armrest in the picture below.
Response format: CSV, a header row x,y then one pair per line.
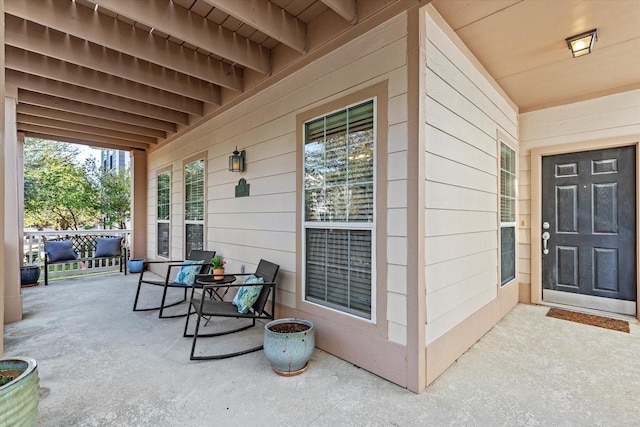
x,y
172,264
164,262
183,264
235,285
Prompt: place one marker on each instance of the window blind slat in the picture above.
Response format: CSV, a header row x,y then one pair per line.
x,y
163,239
338,268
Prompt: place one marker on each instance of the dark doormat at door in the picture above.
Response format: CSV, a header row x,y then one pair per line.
x,y
590,319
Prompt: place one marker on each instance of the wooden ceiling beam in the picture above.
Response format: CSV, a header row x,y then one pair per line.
x,y
171,18
88,110
54,69
89,96
77,137
115,145
268,18
46,41
65,116
344,8
75,127
87,24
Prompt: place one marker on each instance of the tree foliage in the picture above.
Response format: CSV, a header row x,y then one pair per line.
x,y
64,193
115,196
59,192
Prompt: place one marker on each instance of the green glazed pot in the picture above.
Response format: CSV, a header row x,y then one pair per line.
x,y
19,398
288,345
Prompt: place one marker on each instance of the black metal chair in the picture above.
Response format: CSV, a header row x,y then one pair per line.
x,y
170,282
207,306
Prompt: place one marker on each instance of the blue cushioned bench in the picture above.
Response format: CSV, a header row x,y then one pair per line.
x,y
91,249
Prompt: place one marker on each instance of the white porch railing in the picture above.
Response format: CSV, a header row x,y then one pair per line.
x,y
84,242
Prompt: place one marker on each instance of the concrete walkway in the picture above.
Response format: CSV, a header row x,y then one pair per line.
x,y
100,364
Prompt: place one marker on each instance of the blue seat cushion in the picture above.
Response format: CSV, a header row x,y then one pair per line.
x,y
187,273
109,246
60,250
248,295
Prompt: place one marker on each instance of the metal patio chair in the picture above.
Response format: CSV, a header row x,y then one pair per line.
x,y
171,279
206,306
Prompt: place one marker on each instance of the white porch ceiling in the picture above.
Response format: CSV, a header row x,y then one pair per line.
x,y
130,74
522,45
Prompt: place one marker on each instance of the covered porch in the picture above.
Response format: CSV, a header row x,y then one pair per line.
x,y
454,104
102,364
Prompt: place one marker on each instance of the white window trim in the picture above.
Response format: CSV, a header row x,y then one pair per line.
x,y
502,140
194,159
372,226
163,221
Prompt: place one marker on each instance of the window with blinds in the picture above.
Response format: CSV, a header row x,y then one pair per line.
x,y
163,212
194,205
507,213
339,209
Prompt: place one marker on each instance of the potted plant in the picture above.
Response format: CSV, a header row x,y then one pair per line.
x,y
288,345
19,386
218,267
135,265
29,275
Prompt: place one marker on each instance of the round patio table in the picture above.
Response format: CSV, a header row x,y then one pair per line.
x,y
210,279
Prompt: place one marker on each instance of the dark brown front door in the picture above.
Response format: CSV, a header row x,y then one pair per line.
x,y
589,229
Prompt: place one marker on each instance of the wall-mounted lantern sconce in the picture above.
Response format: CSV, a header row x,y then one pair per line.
x,y
582,44
236,161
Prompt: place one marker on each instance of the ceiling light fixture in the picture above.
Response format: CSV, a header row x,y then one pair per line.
x,y
582,44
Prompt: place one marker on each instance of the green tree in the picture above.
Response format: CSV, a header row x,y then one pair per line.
x,y
59,190
115,198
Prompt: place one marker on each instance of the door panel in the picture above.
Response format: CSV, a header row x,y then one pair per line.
x,y
588,201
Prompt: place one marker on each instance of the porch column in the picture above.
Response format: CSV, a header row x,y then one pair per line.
x,y
416,288
139,186
2,175
12,231
20,166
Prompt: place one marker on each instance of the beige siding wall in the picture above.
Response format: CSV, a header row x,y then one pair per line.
x,y
263,225
587,124
464,113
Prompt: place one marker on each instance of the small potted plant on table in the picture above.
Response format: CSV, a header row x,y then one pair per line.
x,y
218,267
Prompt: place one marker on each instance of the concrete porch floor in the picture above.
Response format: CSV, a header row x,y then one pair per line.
x,y
101,364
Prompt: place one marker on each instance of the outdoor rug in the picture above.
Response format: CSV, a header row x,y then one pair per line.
x,y
590,319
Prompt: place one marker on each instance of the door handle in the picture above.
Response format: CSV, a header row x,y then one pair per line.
x,y
545,239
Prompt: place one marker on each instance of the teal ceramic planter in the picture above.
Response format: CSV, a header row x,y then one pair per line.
x,y
288,345
19,398
135,265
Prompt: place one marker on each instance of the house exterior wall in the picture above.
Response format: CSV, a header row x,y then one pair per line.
x,y
265,224
597,123
465,114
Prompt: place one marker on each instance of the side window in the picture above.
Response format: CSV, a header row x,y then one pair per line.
x,y
507,213
338,220
163,213
194,205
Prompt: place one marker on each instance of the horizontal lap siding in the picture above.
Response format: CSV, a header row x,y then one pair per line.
x,y
263,225
463,114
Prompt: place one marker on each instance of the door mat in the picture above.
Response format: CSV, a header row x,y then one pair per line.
x,y
590,319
